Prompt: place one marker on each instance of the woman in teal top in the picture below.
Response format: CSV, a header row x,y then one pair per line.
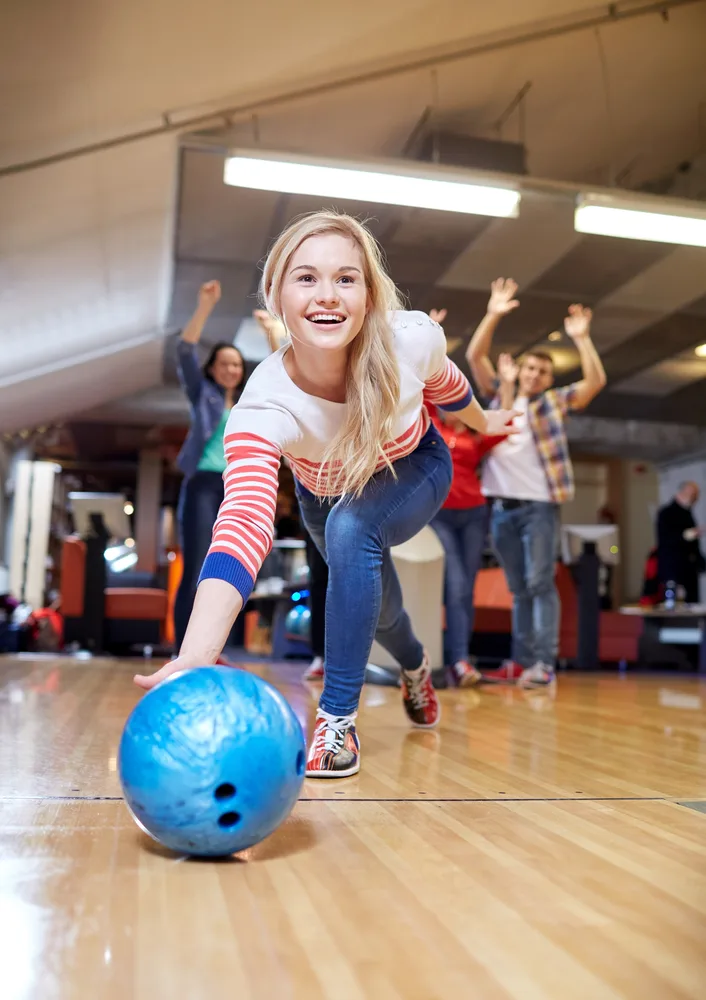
x,y
213,457
212,391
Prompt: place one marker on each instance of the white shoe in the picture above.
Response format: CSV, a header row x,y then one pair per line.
x,y
540,675
315,670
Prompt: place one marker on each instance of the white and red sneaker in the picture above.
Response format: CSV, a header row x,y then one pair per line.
x,y
419,697
538,676
465,674
315,670
508,673
335,747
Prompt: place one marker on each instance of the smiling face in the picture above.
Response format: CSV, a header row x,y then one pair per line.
x,y
227,368
324,298
536,375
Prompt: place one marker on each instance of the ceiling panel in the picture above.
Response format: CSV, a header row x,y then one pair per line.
x,y
667,376
417,265
216,221
451,230
697,308
664,287
522,248
596,266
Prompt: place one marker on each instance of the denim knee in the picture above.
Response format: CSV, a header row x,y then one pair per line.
x,y
541,583
346,530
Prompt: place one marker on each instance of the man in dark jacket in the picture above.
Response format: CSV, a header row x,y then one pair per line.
x,y
679,556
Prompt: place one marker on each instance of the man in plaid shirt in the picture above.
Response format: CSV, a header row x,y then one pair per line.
x,y
527,477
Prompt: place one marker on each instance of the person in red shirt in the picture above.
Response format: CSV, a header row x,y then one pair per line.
x,y
462,528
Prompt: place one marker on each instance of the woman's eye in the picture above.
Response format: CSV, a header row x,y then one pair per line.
x,y
306,277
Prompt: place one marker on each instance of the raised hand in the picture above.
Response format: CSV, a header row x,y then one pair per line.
x,y
578,323
498,422
438,315
502,297
274,329
508,370
209,294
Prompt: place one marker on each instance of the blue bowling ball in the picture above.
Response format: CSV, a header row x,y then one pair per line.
x,y
211,761
298,621
304,622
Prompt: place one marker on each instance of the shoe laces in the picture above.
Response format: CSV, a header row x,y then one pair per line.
x,y
332,734
418,688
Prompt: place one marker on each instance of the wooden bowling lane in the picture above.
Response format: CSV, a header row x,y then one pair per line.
x,y
355,900
601,737
533,849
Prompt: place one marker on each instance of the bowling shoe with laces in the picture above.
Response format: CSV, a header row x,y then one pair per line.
x,y
466,674
419,697
335,748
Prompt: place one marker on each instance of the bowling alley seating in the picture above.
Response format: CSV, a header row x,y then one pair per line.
x,y
104,618
619,634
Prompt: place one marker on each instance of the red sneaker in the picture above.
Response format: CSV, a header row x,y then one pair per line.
x,y
509,673
335,748
419,697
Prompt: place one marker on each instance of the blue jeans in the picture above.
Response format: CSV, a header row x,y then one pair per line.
x,y
463,534
364,597
525,540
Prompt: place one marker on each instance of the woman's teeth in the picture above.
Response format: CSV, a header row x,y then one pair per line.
x,y
329,318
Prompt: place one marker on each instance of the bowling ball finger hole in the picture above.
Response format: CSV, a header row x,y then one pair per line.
x,y
224,791
229,820
300,762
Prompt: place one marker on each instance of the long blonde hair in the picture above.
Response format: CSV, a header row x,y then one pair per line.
x,y
373,378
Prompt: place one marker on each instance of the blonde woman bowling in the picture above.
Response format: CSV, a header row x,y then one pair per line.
x,y
343,401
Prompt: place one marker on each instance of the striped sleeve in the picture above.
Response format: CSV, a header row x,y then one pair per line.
x,y
244,528
449,389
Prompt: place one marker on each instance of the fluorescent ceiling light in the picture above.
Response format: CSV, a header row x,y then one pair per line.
x,y
612,216
380,185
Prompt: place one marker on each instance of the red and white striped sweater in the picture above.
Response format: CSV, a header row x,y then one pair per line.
x,y
274,418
